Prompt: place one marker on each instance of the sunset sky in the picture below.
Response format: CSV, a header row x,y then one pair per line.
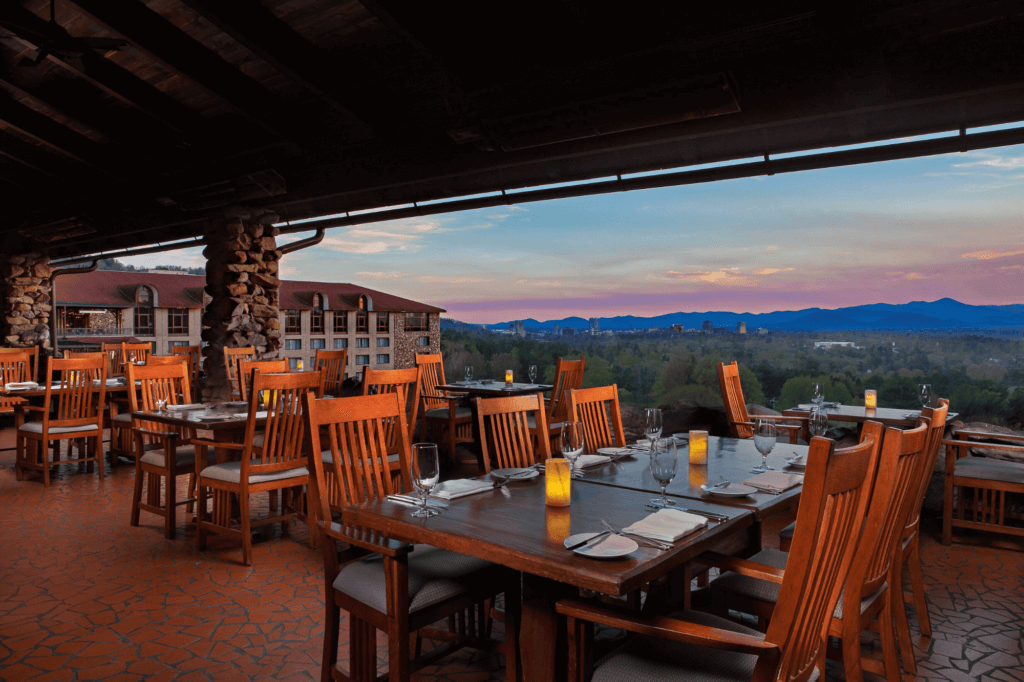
x,y
891,232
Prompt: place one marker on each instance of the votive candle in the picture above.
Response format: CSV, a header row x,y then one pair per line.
x,y
870,399
698,447
508,377
559,478
298,365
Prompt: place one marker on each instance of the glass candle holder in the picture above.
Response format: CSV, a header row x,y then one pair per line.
x,y
559,479
508,377
298,365
870,399
698,447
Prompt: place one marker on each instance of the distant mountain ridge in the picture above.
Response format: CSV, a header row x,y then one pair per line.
x,y
943,314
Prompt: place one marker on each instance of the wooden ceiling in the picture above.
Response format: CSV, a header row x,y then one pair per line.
x,y
124,122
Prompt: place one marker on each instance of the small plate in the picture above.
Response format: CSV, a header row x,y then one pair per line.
x,y
519,474
612,547
797,462
734,490
614,452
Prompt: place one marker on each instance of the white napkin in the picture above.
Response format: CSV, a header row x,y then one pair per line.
x,y
587,461
667,525
775,481
21,385
460,487
185,406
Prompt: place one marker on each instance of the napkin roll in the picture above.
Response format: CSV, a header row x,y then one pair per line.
x,y
668,525
186,406
774,480
585,461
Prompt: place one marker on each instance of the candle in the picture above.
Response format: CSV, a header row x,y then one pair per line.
x,y
698,475
870,399
698,447
558,482
508,377
298,365
557,523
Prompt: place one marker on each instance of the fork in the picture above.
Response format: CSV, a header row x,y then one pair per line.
x,y
636,538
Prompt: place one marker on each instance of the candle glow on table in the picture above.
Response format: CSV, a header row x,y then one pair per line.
x,y
508,377
698,474
698,447
559,478
870,399
557,523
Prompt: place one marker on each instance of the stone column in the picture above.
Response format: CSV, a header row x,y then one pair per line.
x,y
26,292
241,280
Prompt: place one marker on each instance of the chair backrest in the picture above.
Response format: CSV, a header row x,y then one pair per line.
x,y
732,396
598,409
33,354
81,391
431,376
158,381
14,367
895,481
331,365
405,383
193,377
833,502
935,418
355,430
154,360
505,431
284,430
231,358
246,367
136,352
568,376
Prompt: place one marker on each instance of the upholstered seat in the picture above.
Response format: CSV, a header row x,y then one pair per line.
x,y
37,427
183,457
123,418
232,473
442,413
989,469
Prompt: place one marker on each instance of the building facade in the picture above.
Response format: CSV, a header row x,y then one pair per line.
x,y
380,331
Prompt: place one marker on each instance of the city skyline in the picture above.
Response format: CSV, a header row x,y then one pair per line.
x,y
892,232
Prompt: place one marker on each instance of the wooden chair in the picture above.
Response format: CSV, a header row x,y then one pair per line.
x,y
231,358
403,382
740,424
14,367
279,465
246,367
598,409
384,584
33,354
194,364
331,365
505,432
442,410
79,414
136,353
568,376
161,451
115,358
703,646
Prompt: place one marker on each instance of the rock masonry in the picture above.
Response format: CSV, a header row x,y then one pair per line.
x,y
27,292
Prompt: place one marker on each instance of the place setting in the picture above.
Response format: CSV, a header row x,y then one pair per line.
x,y
656,531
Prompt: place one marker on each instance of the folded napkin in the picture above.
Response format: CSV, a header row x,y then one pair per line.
x,y
21,385
667,525
460,487
775,481
586,461
186,406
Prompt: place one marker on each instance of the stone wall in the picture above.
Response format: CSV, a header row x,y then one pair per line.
x,y
406,343
241,279
26,294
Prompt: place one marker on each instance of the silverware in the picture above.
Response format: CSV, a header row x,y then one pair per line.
x,y
637,538
724,484
416,501
589,542
710,515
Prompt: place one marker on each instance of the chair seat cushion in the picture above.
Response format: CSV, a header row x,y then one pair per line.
x,y
232,472
531,422
442,413
123,418
184,457
989,469
787,532
434,576
650,658
37,427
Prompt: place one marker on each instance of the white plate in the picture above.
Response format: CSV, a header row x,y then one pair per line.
x,y
614,452
733,490
681,436
797,462
520,474
611,547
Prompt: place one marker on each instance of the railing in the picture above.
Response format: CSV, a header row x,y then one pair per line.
x,y
95,331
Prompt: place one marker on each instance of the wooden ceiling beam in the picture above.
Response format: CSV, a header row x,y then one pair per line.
x,y
56,168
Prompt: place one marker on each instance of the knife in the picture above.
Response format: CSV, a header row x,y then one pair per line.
x,y
416,501
707,514
586,543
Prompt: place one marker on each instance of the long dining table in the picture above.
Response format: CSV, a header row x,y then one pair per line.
x,y
520,531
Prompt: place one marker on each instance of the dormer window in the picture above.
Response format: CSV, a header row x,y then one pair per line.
x,y
144,312
316,319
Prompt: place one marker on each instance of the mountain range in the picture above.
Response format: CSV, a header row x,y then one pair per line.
x,y
943,314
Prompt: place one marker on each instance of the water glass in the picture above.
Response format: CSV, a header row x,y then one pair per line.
x,y
817,422
924,394
425,473
819,394
572,442
532,373
663,468
469,374
652,428
764,441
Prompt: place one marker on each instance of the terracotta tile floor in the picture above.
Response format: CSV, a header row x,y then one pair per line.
x,y
84,596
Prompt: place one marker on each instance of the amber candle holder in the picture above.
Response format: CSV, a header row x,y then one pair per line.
x,y
559,480
508,378
870,399
298,365
698,447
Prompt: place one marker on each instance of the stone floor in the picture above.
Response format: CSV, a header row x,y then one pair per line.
x,y
84,596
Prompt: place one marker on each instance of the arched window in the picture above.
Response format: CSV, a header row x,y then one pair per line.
x,y
316,319
144,312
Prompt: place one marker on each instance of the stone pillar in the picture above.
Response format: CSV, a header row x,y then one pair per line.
x,y
241,280
26,292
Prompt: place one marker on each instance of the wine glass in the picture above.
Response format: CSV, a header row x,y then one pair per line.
x,y
819,394
425,472
572,442
924,394
663,468
160,401
532,373
469,373
764,441
652,429
818,421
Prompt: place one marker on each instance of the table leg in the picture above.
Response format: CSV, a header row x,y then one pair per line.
x,y
543,637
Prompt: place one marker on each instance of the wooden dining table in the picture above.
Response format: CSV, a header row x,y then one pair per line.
x,y
229,429
493,389
887,416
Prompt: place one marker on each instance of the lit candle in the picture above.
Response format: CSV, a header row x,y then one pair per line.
x,y
870,399
698,447
298,365
559,478
557,523
698,475
508,377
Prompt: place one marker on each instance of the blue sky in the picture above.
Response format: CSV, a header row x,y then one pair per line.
x,y
892,232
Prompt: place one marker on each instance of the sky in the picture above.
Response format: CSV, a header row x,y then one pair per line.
x,y
891,232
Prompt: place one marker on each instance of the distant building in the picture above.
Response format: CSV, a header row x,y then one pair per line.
x,y
556,330
569,331
594,325
520,328
761,331
832,344
741,327
706,326
678,328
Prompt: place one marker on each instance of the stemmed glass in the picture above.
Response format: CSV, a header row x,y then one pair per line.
x,y
924,394
532,373
764,441
160,402
425,473
818,421
819,394
572,442
469,373
652,429
663,468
